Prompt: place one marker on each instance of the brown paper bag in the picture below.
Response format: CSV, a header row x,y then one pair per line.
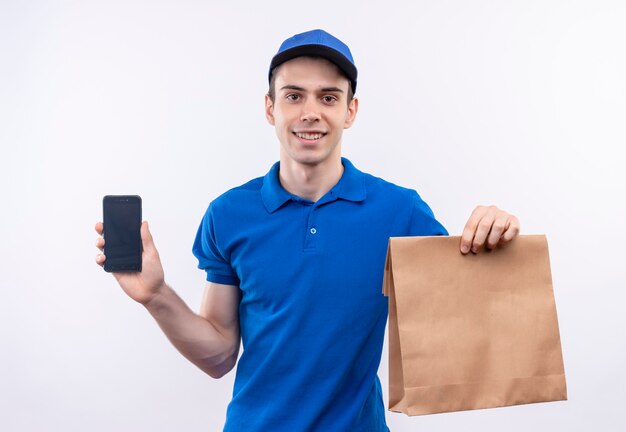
x,y
473,331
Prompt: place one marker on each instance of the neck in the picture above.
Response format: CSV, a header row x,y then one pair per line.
x,y
310,182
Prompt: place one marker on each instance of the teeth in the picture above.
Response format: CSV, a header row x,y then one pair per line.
x,y
309,136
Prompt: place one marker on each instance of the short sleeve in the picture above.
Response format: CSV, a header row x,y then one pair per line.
x,y
211,257
423,222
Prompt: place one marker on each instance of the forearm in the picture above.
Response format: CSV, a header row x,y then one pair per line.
x,y
212,349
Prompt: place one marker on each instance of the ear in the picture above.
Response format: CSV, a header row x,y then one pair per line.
x,y
353,108
269,110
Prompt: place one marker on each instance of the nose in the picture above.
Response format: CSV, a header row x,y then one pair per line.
x,y
310,112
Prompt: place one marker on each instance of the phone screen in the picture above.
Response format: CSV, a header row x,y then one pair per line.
x,y
122,236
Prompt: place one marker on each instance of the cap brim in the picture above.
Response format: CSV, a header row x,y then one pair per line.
x,y
313,50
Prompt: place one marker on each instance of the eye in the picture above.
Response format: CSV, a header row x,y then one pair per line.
x,y
329,99
293,97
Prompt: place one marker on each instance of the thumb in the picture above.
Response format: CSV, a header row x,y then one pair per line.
x,y
146,237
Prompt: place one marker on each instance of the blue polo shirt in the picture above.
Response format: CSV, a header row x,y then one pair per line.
x,y
312,313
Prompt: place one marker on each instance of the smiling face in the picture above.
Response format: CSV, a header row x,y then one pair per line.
x,y
310,110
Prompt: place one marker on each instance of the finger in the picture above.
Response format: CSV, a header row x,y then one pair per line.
x,y
484,227
470,229
511,231
100,244
146,236
99,227
497,229
100,259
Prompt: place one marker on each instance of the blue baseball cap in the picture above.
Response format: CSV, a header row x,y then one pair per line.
x,y
317,43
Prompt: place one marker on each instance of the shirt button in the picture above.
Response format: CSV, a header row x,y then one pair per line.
x,y
313,231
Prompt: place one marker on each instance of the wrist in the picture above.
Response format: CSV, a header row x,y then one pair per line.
x,y
158,299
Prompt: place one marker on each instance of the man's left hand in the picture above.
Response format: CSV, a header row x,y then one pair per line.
x,y
488,226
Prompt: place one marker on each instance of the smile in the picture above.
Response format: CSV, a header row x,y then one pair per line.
x,y
309,136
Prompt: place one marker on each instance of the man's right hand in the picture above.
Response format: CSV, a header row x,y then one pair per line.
x,y
142,286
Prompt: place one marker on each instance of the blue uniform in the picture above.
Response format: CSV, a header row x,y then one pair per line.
x,y
312,313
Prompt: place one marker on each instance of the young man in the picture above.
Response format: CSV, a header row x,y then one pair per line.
x,y
294,262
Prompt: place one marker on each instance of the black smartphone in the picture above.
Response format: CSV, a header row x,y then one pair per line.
x,y
122,235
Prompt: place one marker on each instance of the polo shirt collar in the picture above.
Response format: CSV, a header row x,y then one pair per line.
x,y
351,187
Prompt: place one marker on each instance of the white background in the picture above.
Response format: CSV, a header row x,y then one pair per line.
x,y
516,103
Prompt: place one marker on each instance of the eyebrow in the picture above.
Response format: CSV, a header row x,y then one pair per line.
x,y
324,90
